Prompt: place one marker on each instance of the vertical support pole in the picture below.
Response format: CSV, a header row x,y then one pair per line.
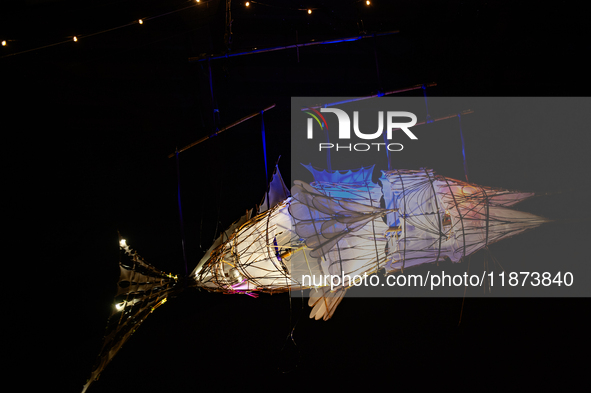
x,y
387,151
228,35
265,155
328,166
375,53
264,145
297,47
213,105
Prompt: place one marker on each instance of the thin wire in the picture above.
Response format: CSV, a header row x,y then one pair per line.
x,y
292,330
284,8
34,49
428,117
218,217
464,297
178,176
305,9
463,148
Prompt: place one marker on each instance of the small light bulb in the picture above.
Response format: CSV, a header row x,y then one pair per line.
x,y
367,2
247,4
197,1
309,11
122,243
75,39
3,43
141,22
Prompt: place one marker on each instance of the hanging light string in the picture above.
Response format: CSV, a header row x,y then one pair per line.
x,y
195,3
38,48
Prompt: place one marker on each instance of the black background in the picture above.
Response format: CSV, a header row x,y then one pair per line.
x,y
88,127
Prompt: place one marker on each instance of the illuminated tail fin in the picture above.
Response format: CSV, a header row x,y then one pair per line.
x,y
140,290
324,302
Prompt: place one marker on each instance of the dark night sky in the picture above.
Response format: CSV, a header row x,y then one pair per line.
x,y
88,127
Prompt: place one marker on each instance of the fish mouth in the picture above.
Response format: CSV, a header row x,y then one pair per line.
x,y
218,274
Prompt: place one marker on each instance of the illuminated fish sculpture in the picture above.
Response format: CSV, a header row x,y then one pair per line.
x,y
341,224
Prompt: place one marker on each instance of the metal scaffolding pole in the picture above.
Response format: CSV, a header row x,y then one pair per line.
x,y
221,130
294,46
415,87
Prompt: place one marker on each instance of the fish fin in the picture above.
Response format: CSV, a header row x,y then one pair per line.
x,y
324,302
276,193
322,221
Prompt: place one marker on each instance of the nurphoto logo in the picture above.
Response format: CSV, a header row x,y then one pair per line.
x,y
344,130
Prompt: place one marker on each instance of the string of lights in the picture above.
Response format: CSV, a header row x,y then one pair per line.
x,y
76,38
5,42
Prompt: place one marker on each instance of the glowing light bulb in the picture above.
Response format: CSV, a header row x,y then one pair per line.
x,y
367,2
3,43
122,243
309,11
247,4
75,39
141,22
120,306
